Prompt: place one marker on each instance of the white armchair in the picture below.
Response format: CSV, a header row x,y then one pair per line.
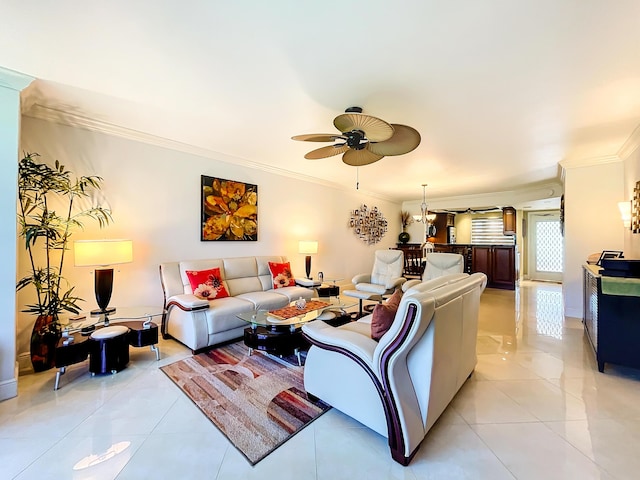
x,y
400,385
438,264
385,277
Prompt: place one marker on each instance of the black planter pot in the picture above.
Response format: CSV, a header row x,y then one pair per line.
x,y
403,237
44,337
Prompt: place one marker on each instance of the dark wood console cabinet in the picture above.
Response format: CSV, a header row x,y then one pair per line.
x,y
610,321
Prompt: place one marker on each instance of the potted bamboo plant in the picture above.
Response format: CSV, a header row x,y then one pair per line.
x,y
48,213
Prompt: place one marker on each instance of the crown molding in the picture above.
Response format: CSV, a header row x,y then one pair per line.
x,y
71,119
630,145
14,80
508,197
589,162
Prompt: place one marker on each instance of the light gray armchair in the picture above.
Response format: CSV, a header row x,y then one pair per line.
x,y
384,278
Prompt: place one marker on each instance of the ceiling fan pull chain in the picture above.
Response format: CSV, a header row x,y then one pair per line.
x,y
357,178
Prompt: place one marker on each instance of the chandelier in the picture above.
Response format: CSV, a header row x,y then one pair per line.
x,y
425,217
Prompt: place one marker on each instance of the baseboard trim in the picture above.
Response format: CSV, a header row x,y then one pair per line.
x,y
9,388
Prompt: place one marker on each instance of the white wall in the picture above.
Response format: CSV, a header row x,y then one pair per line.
x,y
592,223
10,85
154,194
631,176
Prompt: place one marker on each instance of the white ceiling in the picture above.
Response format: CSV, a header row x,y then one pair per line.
x,y
500,90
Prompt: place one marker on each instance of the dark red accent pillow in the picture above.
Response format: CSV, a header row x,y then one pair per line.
x,y
383,315
207,284
281,274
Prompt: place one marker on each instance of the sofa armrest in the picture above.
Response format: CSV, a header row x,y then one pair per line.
x,y
361,278
394,282
323,336
187,302
410,283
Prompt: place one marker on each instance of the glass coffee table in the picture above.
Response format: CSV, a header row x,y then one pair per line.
x,y
280,332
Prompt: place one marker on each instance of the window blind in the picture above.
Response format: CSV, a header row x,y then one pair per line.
x,y
489,231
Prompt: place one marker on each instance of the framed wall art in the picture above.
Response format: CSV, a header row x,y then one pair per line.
x,y
229,210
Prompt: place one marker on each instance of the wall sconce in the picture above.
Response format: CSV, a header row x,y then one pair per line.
x,y
309,247
625,213
102,253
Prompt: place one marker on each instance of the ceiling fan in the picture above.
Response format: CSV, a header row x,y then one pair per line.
x,y
363,139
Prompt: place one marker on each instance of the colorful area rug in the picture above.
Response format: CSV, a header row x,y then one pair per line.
x,y
257,401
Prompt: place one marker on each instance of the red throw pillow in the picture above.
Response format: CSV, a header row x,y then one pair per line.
x,y
281,274
207,284
383,315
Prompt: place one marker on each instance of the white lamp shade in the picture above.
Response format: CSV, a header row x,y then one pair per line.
x,y
625,213
93,253
308,246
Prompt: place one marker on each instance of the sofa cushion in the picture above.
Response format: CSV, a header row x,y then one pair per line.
x,y
383,315
268,300
222,314
294,293
207,284
282,276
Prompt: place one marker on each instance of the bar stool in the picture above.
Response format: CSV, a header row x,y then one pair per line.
x,y
109,349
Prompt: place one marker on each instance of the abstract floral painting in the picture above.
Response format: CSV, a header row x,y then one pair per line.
x,y
229,210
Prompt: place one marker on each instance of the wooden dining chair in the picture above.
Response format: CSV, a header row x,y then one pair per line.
x,y
413,263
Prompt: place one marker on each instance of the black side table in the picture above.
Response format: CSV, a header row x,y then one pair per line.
x,y
74,347
143,334
69,350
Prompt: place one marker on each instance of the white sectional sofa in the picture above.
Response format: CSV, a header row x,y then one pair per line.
x,y
199,323
400,385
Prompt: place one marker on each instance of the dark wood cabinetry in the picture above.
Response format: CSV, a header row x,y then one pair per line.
x,y
408,246
498,262
450,219
509,221
467,253
610,321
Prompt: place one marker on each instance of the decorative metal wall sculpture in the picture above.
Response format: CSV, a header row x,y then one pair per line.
x,y
229,210
635,209
368,224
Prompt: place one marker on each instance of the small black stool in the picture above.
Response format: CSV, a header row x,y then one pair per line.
x,y
109,349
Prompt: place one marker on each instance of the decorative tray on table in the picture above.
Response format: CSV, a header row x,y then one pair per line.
x,y
293,311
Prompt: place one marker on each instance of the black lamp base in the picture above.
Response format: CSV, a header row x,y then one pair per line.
x,y
107,311
307,265
103,289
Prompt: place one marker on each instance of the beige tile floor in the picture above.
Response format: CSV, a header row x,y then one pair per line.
x,y
536,408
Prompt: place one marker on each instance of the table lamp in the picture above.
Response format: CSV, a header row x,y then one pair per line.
x,y
308,247
102,253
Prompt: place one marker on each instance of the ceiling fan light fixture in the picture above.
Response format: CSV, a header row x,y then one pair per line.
x,y
356,139
363,139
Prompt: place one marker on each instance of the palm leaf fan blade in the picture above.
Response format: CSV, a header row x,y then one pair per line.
x,y
375,130
324,152
357,158
404,140
316,137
